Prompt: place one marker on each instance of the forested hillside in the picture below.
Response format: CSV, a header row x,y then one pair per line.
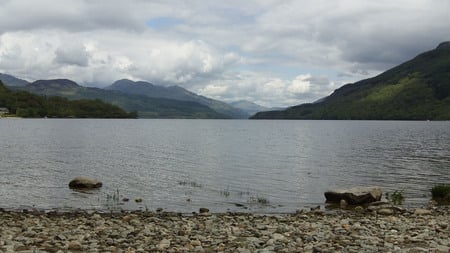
x,y
27,105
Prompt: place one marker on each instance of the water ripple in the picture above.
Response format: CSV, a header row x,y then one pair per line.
x,y
182,165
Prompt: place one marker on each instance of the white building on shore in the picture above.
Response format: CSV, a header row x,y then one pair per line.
x,y
3,111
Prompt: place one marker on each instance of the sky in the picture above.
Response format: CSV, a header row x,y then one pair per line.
x,y
275,53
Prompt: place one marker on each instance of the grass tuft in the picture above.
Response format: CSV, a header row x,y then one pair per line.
x,y
396,197
441,191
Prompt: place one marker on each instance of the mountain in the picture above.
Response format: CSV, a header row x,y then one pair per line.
x,y
418,89
12,81
248,107
24,104
177,93
145,106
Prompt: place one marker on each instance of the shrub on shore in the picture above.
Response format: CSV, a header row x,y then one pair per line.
x,y
396,197
441,192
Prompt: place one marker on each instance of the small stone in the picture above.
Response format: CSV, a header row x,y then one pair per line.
x,y
138,200
278,237
199,249
442,248
243,250
203,210
385,211
125,199
74,245
127,218
196,243
388,245
164,244
418,250
255,241
96,216
20,247
270,242
60,237
343,203
421,211
130,250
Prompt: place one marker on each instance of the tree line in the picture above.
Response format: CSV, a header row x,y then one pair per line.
x,y
28,105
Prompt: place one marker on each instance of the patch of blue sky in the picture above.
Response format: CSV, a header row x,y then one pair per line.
x,y
163,22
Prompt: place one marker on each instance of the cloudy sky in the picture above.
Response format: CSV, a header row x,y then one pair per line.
x,y
272,52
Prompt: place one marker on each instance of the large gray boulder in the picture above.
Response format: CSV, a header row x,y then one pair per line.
x,y
354,196
84,183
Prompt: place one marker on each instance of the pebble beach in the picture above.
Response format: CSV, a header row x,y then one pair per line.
x,y
377,229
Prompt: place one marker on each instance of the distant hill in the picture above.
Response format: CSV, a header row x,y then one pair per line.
x,y
12,81
145,106
176,93
24,104
248,107
418,89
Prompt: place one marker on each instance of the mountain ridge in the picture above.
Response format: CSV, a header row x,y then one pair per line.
x,y
12,80
418,89
176,93
24,104
145,106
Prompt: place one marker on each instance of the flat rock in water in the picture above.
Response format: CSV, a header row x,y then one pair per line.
x,y
354,196
84,183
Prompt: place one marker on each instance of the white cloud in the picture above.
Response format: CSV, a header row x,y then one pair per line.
x,y
268,90
301,84
83,56
72,54
267,51
214,90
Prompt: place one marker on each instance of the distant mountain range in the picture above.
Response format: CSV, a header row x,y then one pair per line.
x,y
418,89
150,101
176,93
12,81
250,107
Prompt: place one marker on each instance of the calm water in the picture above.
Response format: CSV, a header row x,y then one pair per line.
x,y
181,165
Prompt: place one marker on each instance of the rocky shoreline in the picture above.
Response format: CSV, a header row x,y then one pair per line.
x,y
376,229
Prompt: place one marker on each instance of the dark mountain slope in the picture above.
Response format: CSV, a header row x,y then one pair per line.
x,y
24,104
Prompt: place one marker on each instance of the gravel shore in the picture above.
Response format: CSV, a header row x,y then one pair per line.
x,y
382,229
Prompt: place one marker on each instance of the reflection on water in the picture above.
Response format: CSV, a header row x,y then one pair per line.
x,y
236,165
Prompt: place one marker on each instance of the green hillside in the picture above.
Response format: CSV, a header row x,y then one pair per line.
x,y
145,106
27,105
418,89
